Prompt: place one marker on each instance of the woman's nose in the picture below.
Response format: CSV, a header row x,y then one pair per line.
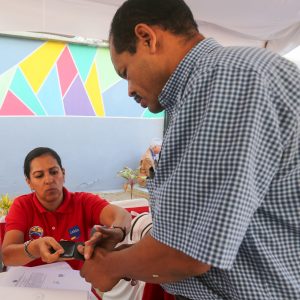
x,y
48,178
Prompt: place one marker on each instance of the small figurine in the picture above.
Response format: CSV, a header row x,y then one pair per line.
x,y
149,160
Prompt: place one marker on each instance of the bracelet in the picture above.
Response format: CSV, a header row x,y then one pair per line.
x,y
26,244
123,229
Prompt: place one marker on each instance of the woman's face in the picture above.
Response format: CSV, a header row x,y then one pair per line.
x,y
47,178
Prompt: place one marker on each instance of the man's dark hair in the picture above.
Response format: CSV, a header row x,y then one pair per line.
x,y
36,153
172,15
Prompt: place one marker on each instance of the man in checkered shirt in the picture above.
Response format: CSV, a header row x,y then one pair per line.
x,y
225,198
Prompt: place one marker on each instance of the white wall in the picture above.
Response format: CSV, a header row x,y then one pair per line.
x,y
92,150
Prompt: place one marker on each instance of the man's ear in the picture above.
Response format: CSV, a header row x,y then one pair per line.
x,y
146,35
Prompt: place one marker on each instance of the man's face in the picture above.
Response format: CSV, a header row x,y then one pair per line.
x,y
144,74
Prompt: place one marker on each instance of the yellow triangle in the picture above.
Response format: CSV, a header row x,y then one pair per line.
x,y
38,65
93,90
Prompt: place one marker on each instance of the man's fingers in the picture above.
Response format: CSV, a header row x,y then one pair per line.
x,y
96,237
86,251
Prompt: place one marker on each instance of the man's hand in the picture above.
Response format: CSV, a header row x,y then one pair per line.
x,y
102,236
94,271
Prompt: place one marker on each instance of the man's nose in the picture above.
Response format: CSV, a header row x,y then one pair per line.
x,y
131,92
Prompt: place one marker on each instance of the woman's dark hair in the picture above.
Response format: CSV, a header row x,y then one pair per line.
x,y
36,153
172,15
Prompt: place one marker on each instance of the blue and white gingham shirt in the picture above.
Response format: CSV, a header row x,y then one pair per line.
x,y
227,188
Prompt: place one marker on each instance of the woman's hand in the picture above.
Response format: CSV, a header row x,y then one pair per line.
x,y
43,248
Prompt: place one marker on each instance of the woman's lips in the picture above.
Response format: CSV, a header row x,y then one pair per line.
x,y
51,190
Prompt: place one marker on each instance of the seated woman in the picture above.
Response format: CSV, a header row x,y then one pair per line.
x,y
37,221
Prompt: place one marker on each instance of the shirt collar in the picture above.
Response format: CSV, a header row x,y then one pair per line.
x,y
175,86
65,206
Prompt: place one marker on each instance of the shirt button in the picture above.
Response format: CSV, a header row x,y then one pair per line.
x,y
53,228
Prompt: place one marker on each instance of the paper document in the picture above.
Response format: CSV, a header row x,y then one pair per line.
x,y
47,282
66,279
10,293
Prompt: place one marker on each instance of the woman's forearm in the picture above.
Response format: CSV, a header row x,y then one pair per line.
x,y
117,216
15,255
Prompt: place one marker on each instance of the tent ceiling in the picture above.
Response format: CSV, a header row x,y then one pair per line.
x,y
241,22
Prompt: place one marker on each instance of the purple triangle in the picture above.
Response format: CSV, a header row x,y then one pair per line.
x,y
76,100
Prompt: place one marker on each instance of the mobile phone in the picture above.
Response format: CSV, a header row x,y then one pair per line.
x,y
70,249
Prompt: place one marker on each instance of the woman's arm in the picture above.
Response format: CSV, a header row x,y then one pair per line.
x,y
113,215
14,254
118,223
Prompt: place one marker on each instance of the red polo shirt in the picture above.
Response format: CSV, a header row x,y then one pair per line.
x,y
72,220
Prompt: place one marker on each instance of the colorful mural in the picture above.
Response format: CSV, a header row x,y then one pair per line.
x,y
46,78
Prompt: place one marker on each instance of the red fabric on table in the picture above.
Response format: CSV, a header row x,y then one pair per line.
x,y
156,292
139,210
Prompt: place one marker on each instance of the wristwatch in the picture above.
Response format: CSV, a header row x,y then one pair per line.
x,y
26,244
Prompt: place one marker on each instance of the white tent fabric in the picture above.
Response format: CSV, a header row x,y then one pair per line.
x,y
274,24
271,23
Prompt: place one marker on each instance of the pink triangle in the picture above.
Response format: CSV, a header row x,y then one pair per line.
x,y
66,70
12,106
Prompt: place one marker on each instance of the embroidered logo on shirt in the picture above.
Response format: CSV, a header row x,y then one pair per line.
x,y
36,232
74,232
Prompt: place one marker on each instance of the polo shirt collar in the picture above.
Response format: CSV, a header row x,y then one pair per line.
x,y
176,84
65,207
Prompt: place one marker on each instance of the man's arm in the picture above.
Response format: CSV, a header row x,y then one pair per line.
x,y
148,260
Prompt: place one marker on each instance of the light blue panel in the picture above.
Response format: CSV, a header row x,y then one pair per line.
x,y
14,50
22,90
117,103
50,95
92,150
149,114
83,57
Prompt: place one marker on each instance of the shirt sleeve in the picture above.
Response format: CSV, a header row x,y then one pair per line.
x,y
229,151
17,217
93,206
